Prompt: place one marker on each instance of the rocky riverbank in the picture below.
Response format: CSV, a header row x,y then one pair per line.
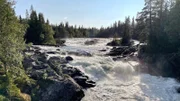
x,y
54,79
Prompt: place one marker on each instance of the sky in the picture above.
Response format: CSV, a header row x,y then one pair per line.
x,y
89,13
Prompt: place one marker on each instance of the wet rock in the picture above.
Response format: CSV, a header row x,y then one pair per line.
x,y
63,53
58,49
37,52
68,58
178,90
60,42
122,51
79,77
91,42
55,81
66,90
36,48
103,50
118,58
43,66
114,43
80,53
41,57
36,74
29,49
52,52
84,82
117,51
72,71
57,60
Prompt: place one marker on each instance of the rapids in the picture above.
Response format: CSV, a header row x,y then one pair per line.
x,y
116,81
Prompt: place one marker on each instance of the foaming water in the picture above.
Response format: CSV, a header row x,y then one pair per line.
x,y
117,81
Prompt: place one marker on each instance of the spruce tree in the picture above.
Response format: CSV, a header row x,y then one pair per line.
x,y
126,33
48,35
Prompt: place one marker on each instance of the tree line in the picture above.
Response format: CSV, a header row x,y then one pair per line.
x,y
40,31
64,30
159,24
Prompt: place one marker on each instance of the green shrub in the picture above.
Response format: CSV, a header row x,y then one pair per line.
x,y
3,98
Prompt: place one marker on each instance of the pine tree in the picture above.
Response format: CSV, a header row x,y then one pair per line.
x,y
32,34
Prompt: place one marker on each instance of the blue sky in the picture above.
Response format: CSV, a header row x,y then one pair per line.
x,y
89,13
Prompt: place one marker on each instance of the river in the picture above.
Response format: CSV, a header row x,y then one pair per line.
x,y
117,80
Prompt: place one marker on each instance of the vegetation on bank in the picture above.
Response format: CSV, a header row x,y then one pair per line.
x,y
12,44
160,21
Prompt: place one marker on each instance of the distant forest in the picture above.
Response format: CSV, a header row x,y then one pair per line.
x,y
40,31
157,25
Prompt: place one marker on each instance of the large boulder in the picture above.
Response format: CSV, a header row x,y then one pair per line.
x,y
52,52
116,51
114,43
56,60
60,88
178,90
84,82
60,42
66,90
79,77
122,51
91,42
69,58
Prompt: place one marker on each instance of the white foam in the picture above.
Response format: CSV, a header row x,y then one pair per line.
x,y
117,81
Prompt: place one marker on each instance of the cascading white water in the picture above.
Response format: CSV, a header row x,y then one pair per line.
x,y
117,81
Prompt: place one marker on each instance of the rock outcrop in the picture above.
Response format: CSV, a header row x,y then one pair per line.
x,y
55,81
114,43
122,51
69,58
91,42
79,53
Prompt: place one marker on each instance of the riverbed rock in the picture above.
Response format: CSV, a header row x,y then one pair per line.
x,y
66,90
115,51
79,53
84,82
36,47
52,52
178,90
122,51
58,50
114,43
79,77
60,42
69,58
103,50
57,60
91,42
